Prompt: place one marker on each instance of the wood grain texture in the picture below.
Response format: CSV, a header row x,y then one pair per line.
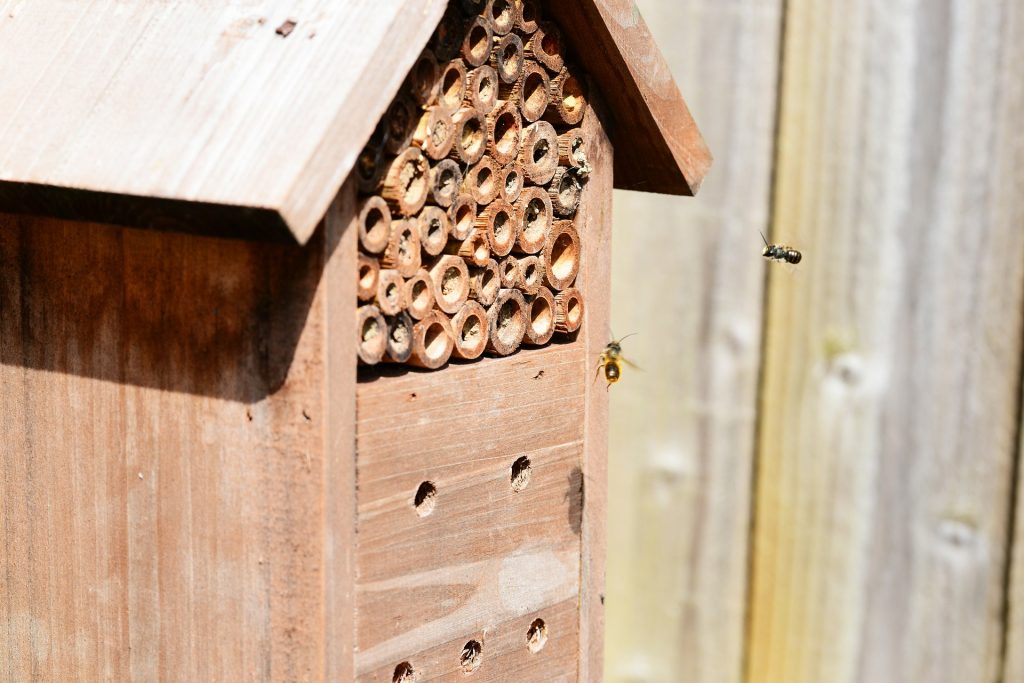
x,y
893,353
168,455
688,280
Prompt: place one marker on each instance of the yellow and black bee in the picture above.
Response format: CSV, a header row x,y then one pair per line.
x,y
611,361
780,252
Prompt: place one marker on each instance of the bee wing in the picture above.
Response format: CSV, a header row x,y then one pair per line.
x,y
631,364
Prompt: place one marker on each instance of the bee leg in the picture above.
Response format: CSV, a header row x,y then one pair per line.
x,y
597,373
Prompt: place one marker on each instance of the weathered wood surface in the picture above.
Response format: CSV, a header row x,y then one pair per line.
x,y
688,279
170,464
893,354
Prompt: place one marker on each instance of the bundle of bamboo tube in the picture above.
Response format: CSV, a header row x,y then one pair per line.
x,y
470,186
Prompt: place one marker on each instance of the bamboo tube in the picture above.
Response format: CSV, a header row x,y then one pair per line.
x,y
572,149
406,183
470,136
390,297
374,223
539,156
498,221
531,274
401,124
432,341
502,15
403,250
476,47
372,331
545,46
510,182
433,230
419,294
506,322
482,89
435,133
565,191
472,7
445,181
369,275
469,328
450,276
508,271
475,248
568,96
448,36
399,337
422,80
561,255
504,133
528,16
481,181
540,318
533,92
507,58
534,211
484,282
451,85
462,217
369,168
568,310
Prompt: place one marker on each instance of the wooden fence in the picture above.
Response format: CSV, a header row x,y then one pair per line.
x,y
814,479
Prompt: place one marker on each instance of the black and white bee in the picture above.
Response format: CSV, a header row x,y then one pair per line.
x,y
780,252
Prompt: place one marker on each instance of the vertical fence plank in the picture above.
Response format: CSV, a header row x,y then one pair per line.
x,y
893,352
1014,667
688,279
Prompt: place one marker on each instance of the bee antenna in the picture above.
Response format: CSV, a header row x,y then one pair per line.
x,y
627,337
764,238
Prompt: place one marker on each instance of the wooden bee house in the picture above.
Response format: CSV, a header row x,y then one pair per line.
x,y
300,307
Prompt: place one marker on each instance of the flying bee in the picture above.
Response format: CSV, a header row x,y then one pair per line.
x,y
780,252
611,361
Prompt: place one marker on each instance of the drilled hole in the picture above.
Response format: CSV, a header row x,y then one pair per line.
x,y
424,502
537,636
404,673
520,478
472,656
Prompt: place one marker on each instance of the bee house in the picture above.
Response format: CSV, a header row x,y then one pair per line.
x,y
300,311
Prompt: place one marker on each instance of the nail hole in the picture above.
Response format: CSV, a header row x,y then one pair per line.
x,y
471,656
537,636
404,673
425,500
520,474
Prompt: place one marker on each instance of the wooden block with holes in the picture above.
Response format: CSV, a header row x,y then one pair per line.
x,y
299,334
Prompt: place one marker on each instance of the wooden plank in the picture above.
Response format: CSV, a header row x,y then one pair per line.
x,y
689,280
164,436
1014,664
893,353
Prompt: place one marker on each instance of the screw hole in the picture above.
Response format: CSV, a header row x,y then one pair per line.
x,y
520,474
426,498
472,656
537,636
404,673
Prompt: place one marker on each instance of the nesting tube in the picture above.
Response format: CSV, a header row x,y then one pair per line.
x,y
462,217
534,212
469,329
433,230
545,46
502,15
561,255
407,182
498,221
403,250
510,182
399,337
508,271
504,133
530,276
482,89
565,192
568,310
451,85
469,140
475,248
528,17
419,294
374,224
432,341
507,58
450,276
533,92
435,132
484,282
390,297
401,119
369,168
422,81
481,181
506,322
540,318
368,277
372,331
476,46
539,155
445,182
568,96
572,152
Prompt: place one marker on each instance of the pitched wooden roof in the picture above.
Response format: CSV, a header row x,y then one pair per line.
x,y
246,118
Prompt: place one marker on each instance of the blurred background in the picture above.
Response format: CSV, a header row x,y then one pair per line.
x,y
814,478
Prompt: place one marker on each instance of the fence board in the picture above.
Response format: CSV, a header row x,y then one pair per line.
x,y
893,353
688,277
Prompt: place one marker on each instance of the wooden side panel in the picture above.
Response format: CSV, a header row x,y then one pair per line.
x,y
167,451
1013,669
893,353
688,279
